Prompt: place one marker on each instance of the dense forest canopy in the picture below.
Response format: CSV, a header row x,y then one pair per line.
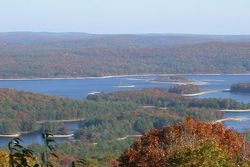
x,y
131,112
191,144
103,110
112,121
184,89
76,54
173,78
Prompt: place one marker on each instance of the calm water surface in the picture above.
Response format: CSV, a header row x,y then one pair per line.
x,y
79,89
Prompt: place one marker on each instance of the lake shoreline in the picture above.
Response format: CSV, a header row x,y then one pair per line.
x,y
239,111
204,92
60,121
199,93
195,94
229,119
115,76
198,83
23,133
20,134
78,89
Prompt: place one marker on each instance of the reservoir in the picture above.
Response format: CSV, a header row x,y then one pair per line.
x,y
79,88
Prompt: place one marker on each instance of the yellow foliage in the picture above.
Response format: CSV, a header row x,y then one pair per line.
x,y
4,158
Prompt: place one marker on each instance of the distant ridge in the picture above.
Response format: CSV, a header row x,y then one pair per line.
x,y
59,55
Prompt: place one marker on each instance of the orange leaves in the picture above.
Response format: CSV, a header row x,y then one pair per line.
x,y
190,137
4,158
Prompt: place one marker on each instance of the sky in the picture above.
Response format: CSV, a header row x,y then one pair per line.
x,y
126,16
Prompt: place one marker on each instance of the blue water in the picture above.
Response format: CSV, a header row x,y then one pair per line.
x,y
36,137
221,82
238,125
79,89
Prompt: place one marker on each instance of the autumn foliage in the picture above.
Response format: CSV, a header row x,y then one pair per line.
x,y
191,143
34,55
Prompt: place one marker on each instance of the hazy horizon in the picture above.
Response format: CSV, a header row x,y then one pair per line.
x,y
127,17
149,33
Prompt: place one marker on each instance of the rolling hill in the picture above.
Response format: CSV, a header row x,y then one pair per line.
x,y
29,55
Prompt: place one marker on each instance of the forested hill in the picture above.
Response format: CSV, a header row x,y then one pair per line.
x,y
111,120
29,55
20,110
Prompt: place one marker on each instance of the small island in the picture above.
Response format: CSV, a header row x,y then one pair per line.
x,y
240,88
177,79
171,79
184,89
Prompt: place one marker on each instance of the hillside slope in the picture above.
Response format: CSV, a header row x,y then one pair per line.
x,y
29,55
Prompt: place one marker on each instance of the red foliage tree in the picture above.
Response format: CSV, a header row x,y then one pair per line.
x,y
155,147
